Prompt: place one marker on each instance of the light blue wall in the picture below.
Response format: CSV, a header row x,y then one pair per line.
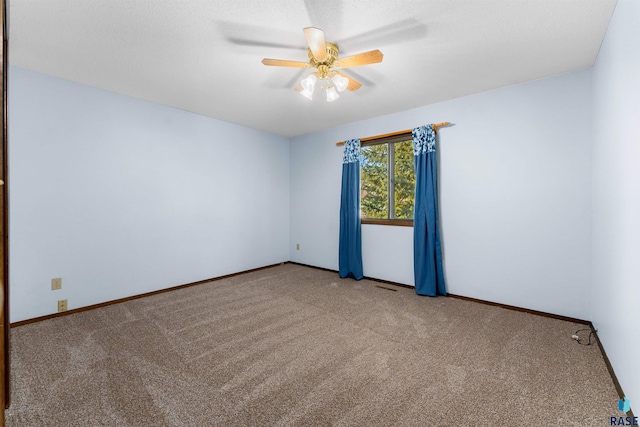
x,y
515,196
120,196
615,295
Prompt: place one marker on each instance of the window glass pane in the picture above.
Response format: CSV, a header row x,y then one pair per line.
x,y
404,178
374,178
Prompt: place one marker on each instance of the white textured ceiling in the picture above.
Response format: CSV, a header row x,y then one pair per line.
x,y
204,55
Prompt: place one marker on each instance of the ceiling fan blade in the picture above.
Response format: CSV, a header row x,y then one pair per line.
x,y
365,58
285,63
315,40
353,84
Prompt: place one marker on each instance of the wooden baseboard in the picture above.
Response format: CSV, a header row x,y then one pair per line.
x,y
146,294
524,310
480,301
616,383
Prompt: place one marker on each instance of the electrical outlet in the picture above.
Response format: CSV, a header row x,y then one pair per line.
x,y
56,283
62,305
297,246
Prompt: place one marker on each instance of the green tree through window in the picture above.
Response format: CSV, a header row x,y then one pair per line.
x,y
387,180
374,173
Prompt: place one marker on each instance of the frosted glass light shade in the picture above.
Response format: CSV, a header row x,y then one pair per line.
x,y
309,82
340,82
332,95
307,93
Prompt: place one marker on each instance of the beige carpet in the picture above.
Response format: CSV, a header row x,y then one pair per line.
x,y
295,346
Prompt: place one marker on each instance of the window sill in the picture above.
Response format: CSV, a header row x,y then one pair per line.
x,y
396,222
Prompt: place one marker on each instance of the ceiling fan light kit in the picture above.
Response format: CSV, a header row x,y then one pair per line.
x,y
323,56
333,81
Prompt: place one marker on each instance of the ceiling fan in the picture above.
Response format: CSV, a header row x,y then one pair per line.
x,y
323,56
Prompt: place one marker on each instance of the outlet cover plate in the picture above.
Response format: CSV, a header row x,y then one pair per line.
x,y
62,305
56,283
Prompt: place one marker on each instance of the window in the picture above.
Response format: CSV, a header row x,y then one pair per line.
x,y
387,180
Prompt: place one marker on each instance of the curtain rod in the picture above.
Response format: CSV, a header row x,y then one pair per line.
x,y
386,135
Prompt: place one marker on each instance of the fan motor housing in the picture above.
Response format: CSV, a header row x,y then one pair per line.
x,y
332,55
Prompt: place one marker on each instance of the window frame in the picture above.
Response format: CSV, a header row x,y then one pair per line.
x,y
390,140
